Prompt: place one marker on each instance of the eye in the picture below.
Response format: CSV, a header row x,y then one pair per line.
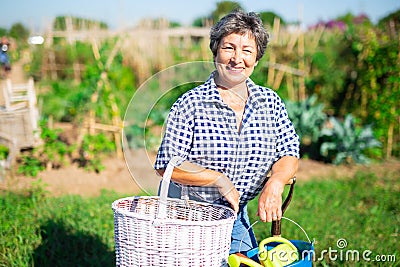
x,y
248,51
228,48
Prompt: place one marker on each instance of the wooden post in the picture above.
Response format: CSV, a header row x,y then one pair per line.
x,y
52,64
302,86
271,69
290,88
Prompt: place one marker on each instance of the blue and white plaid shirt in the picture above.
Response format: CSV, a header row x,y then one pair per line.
x,y
202,129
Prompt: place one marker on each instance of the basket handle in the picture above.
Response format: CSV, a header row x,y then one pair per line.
x,y
276,225
162,207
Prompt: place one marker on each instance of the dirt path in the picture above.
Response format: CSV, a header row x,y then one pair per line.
x,y
117,177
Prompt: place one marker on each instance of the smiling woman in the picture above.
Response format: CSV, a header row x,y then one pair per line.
x,y
232,132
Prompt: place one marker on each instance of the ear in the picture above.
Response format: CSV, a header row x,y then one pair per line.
x,y
255,64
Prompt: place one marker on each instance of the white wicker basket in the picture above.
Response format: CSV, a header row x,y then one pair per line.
x,y
161,231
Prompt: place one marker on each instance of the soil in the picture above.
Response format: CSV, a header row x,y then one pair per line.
x,y
118,177
140,176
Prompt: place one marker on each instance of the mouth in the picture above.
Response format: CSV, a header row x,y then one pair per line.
x,y
234,70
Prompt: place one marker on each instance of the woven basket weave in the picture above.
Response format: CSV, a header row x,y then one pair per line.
x,y
161,231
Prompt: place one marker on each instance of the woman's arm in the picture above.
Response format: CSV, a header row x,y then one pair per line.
x,y
191,174
270,200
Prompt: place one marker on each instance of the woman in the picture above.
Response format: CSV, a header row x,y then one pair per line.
x,y
231,132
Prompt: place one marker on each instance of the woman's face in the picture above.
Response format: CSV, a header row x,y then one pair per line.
x,y
236,58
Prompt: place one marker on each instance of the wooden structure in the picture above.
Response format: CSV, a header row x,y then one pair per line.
x,y
90,125
18,118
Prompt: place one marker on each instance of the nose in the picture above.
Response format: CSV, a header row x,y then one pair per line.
x,y
237,56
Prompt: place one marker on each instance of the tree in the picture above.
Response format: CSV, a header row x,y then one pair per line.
x,y
223,8
3,32
19,32
268,18
391,21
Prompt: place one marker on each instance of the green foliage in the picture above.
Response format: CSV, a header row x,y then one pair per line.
x,y
30,165
92,147
356,71
3,31
53,152
345,142
19,32
268,18
392,18
38,230
308,119
4,151
223,8
64,101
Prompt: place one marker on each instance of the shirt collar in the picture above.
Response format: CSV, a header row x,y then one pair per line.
x,y
211,94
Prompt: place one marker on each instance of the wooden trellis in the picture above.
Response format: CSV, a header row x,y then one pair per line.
x,y
90,125
277,71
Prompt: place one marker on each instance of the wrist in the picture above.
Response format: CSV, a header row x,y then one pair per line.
x,y
276,182
223,184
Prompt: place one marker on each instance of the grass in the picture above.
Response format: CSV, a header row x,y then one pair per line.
x,y
39,230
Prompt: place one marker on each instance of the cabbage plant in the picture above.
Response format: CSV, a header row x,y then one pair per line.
x,y
344,142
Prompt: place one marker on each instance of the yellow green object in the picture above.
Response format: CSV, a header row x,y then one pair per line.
x,y
281,255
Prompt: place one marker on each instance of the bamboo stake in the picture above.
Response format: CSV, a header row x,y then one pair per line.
x,y
290,88
272,57
302,87
271,69
278,79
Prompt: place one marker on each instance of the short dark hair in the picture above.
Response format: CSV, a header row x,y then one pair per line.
x,y
241,23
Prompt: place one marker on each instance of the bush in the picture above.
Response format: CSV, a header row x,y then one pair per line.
x,y
308,118
343,142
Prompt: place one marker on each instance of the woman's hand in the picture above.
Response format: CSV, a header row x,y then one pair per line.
x,y
270,201
228,190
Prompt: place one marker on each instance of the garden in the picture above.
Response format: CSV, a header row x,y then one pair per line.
x,y
340,83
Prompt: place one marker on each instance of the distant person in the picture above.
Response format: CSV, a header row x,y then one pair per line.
x,y
4,59
230,132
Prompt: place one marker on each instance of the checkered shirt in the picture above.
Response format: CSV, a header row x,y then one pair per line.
x,y
202,129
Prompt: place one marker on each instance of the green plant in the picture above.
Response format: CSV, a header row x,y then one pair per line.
x,y
344,142
30,166
4,151
308,119
53,151
91,150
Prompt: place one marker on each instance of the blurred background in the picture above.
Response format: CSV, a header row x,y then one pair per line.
x,y
70,69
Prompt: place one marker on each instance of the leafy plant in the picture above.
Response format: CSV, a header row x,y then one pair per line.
x,y
308,119
343,142
53,151
93,146
30,166
4,152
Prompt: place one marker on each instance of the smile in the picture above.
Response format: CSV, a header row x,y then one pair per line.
x,y
234,69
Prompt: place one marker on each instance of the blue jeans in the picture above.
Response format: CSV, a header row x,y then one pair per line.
x,y
243,238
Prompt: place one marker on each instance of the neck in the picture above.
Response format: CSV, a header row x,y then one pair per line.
x,y
239,89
